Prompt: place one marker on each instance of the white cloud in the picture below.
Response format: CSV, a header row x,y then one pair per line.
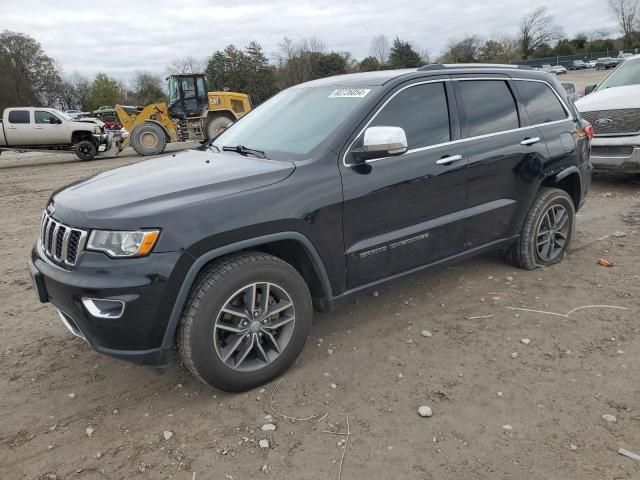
x,y
120,37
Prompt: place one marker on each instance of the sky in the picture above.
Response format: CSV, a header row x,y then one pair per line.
x,y
124,36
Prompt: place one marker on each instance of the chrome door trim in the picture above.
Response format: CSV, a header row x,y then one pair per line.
x,y
461,140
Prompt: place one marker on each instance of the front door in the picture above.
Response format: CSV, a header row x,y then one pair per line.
x,y
406,211
49,129
505,158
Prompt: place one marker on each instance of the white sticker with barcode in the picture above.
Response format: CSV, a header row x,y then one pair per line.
x,y
349,93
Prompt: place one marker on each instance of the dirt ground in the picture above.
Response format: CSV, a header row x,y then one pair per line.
x,y
367,363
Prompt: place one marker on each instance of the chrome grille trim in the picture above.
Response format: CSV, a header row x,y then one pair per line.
x,y
623,122
53,233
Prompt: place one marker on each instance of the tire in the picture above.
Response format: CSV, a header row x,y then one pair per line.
x,y
526,252
217,125
204,339
148,139
86,150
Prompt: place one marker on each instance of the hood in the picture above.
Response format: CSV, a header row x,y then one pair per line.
x,y
128,196
95,121
614,98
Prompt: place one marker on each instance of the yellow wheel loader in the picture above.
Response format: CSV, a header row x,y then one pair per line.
x,y
193,114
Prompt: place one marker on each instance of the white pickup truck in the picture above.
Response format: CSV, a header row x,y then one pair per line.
x,y
613,108
32,128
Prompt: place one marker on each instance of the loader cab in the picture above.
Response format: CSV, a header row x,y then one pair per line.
x,y
188,95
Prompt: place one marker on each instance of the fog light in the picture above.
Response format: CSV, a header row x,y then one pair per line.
x,y
103,308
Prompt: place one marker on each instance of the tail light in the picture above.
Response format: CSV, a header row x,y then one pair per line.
x,y
588,130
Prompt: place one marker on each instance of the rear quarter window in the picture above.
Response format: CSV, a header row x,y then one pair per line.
x,y
19,116
541,103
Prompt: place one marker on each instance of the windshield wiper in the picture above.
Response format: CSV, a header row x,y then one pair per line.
x,y
242,150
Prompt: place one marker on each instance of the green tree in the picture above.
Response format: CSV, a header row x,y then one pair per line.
x,y
466,50
403,55
147,88
27,75
327,65
369,64
104,90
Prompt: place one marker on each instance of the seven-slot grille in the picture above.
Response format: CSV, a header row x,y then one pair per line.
x,y
614,122
61,242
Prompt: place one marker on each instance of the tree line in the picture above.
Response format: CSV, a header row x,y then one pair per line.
x,y
28,76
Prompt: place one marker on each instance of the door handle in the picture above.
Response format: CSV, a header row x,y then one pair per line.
x,y
11,128
39,127
449,160
530,141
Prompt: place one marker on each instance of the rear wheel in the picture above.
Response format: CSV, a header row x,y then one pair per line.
x,y
217,125
547,231
86,150
148,139
246,321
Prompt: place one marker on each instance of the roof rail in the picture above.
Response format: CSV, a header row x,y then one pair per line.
x,y
441,66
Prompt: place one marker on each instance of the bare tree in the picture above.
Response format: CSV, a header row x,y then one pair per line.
x,y
185,65
380,49
626,13
537,29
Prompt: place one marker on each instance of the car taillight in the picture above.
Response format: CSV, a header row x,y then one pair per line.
x,y
588,130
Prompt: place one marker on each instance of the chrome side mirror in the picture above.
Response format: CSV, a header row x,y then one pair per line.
x,y
381,142
589,88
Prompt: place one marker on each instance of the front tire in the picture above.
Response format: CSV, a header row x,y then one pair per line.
x,y
86,150
148,139
245,322
547,232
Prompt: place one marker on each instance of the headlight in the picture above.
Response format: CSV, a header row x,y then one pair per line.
x,y
97,129
123,244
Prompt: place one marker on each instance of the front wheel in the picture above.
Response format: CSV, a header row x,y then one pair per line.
x,y
148,139
246,321
86,150
547,232
217,125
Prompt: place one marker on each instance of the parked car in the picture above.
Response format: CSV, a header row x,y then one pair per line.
x,y
48,128
577,65
606,63
624,56
226,248
572,90
613,108
558,70
546,68
591,64
76,114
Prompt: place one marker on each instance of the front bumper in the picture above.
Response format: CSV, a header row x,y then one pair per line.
x,y
144,285
616,153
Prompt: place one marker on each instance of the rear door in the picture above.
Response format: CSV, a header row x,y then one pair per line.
x,y
19,128
405,211
505,157
49,129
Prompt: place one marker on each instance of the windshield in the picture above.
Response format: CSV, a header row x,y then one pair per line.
x,y
61,114
626,74
174,93
294,122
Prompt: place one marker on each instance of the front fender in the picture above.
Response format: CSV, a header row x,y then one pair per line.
x,y
210,255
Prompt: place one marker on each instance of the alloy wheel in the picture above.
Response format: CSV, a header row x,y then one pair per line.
x,y
254,326
553,232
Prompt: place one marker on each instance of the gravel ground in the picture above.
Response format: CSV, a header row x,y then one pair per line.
x,y
69,413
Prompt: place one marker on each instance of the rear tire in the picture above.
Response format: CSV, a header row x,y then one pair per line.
x,y
148,139
217,125
86,150
547,231
227,336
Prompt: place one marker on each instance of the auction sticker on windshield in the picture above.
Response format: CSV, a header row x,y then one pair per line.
x,y
349,93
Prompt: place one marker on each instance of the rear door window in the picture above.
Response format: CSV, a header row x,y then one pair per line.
x,y
422,112
541,103
19,116
489,107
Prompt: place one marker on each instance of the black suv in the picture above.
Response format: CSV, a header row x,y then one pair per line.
x,y
325,190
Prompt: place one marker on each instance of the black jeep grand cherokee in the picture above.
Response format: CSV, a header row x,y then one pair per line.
x,y
328,188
